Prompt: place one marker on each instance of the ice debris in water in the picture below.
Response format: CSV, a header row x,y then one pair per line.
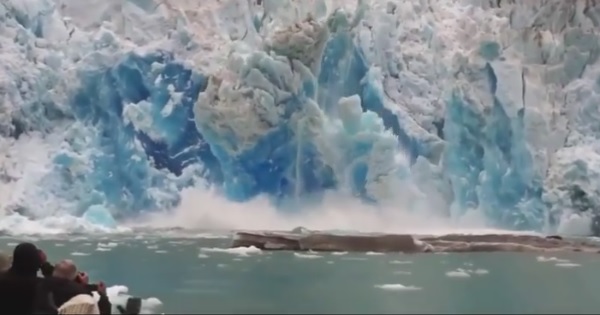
x,y
452,106
458,273
397,287
241,251
119,294
307,256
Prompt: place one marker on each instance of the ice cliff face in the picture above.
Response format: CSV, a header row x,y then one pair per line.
x,y
109,109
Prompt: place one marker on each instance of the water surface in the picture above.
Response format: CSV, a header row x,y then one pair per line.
x,y
189,277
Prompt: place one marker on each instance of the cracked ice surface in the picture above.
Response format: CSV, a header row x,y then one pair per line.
x,y
111,108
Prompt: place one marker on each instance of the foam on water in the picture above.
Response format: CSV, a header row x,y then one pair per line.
x,y
405,116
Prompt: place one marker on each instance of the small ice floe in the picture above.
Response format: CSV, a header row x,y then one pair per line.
x,y
339,253
118,295
458,273
240,251
466,273
161,251
222,265
105,247
201,255
79,254
152,247
374,253
108,245
552,259
397,287
558,262
12,244
59,245
567,265
306,256
329,262
238,259
401,262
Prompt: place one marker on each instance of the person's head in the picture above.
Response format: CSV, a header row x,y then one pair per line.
x,y
65,269
26,260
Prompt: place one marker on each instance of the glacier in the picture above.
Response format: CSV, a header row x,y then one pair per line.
x,y
110,109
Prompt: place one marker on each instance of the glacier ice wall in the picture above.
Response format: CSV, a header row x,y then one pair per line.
x,y
447,105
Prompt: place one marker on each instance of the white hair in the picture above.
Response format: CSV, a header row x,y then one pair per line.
x,y
65,269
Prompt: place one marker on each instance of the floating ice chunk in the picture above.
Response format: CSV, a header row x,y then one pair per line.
x,y
119,294
241,251
567,265
458,273
397,287
108,245
551,259
306,256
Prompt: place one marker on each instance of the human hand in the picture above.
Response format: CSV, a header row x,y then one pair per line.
x,y
43,257
101,288
83,278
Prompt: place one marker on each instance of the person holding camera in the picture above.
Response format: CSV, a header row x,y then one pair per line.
x,y
21,290
66,282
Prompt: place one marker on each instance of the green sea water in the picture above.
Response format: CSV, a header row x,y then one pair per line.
x,y
190,277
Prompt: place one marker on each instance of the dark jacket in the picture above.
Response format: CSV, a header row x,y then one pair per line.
x,y
63,290
21,291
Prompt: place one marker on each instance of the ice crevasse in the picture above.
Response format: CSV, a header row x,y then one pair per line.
x,y
457,105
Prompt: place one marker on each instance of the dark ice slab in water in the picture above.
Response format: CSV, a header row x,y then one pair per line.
x,y
329,242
